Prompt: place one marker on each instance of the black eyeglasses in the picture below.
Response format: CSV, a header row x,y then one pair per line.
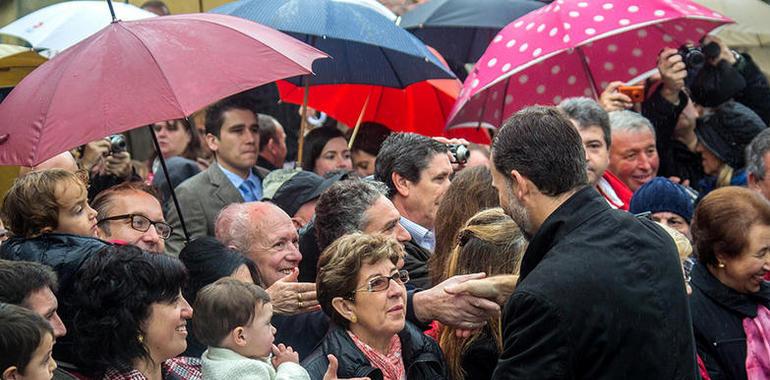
x,y
142,223
380,283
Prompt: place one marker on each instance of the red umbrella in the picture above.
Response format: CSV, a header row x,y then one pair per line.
x,y
421,107
136,73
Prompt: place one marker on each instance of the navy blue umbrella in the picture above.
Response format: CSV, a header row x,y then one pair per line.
x,y
365,46
462,29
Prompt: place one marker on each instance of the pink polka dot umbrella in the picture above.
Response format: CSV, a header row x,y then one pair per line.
x,y
574,48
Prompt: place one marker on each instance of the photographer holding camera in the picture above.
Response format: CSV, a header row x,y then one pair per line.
x,y
108,163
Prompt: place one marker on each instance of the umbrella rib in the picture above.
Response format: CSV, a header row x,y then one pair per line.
x,y
157,64
393,69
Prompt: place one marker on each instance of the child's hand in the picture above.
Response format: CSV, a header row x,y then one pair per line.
x,y
283,354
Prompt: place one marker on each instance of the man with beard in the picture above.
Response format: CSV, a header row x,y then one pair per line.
x,y
600,293
593,124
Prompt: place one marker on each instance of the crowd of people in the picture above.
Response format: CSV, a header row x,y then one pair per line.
x,y
594,239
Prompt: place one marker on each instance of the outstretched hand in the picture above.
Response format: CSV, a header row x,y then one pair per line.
x,y
613,100
290,297
462,311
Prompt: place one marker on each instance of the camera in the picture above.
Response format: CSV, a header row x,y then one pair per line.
x,y
459,152
694,57
117,144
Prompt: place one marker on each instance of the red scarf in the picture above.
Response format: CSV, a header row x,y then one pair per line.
x,y
391,365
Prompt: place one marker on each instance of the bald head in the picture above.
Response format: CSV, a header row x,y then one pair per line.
x,y
63,160
262,232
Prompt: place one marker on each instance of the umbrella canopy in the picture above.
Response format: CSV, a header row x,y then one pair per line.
x,y
461,29
16,62
421,107
575,48
62,25
136,73
367,47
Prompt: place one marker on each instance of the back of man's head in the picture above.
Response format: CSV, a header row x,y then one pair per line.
x,y
541,144
267,130
19,279
755,153
407,154
340,209
587,113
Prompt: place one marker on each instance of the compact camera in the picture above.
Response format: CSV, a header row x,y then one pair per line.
x,y
117,144
459,152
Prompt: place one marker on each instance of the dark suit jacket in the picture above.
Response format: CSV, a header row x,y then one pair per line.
x,y
201,198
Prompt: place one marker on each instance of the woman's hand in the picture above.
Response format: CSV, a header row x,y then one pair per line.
x,y
283,354
118,164
290,297
331,371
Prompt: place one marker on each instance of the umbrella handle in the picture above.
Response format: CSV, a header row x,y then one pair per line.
x,y
303,123
358,122
170,185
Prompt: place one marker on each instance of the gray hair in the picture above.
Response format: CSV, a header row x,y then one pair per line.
x,y
629,121
587,112
755,152
340,209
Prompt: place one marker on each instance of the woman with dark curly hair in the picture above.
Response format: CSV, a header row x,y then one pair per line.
x,y
131,319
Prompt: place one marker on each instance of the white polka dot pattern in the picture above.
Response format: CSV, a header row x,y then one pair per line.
x,y
542,57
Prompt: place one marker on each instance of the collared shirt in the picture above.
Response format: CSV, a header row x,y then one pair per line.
x,y
421,235
252,181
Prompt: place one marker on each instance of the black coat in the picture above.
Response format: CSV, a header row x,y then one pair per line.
x,y
66,254
675,158
601,296
717,316
422,356
416,263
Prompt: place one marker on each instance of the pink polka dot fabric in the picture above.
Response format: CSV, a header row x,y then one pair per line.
x,y
574,48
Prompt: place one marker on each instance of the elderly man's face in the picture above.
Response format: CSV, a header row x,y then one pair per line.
x,y
634,157
383,218
134,203
275,247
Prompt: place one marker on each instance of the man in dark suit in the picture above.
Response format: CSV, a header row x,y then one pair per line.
x,y
232,134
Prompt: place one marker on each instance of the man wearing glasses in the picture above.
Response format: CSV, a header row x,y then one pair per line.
x,y
131,213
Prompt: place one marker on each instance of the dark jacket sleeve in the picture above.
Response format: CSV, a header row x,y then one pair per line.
x,y
532,347
757,90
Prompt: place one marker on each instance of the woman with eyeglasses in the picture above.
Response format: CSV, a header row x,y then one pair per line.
x,y
362,290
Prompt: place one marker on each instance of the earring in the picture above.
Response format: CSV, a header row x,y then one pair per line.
x,y
140,338
353,318
721,265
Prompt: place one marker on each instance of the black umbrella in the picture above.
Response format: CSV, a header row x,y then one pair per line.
x,y
462,29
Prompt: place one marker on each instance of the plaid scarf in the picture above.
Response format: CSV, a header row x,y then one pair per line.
x,y
391,365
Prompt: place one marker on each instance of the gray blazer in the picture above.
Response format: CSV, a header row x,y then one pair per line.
x,y
201,198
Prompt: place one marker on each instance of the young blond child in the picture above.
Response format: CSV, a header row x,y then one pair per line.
x,y
26,341
233,319
52,200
